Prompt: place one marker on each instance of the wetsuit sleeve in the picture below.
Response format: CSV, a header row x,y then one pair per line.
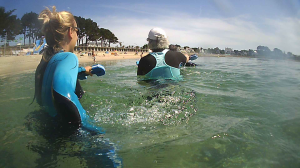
x,y
79,91
81,73
81,69
146,64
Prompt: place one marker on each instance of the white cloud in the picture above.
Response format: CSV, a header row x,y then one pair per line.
x,y
287,33
237,32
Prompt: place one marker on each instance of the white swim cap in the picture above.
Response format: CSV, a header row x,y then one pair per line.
x,y
156,33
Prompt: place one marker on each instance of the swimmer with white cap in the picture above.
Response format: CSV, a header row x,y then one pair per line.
x,y
161,62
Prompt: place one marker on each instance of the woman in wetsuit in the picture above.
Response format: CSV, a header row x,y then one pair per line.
x,y
57,88
161,62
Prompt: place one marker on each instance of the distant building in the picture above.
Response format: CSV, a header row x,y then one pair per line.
x,y
228,50
198,50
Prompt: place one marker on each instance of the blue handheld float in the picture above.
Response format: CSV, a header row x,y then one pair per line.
x,y
97,69
193,57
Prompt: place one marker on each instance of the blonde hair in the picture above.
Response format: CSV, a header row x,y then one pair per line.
x,y
161,43
55,26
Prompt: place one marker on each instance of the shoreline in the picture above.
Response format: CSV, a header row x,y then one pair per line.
x,y
12,64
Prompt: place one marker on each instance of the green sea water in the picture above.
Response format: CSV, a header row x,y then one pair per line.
x,y
226,112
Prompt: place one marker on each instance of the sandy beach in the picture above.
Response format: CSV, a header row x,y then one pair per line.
x,y
11,64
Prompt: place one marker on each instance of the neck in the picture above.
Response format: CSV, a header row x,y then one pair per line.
x,y
66,48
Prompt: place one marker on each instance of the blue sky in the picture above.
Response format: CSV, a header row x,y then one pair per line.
x,y
237,24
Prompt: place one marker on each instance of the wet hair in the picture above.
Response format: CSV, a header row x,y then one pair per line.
x,y
55,26
162,43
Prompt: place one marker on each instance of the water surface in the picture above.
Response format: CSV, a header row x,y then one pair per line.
x,y
226,112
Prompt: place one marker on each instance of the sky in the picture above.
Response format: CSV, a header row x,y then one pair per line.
x,y
237,24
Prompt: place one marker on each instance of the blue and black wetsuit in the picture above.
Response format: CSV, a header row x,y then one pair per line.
x,y
161,64
58,89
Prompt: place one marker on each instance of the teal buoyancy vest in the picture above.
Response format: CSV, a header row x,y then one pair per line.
x,y
162,70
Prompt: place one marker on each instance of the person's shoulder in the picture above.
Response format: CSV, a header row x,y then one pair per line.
x,y
67,56
70,54
66,53
146,57
170,52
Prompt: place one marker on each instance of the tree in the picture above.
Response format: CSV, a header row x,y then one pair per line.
x,y
289,54
216,50
94,35
81,25
102,35
251,52
210,50
31,26
91,30
244,52
145,46
112,38
107,37
120,43
277,52
10,24
263,51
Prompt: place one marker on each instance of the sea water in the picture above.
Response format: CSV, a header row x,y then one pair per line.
x,y
225,112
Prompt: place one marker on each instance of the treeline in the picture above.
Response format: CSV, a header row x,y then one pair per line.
x,y
260,51
265,51
30,26
90,31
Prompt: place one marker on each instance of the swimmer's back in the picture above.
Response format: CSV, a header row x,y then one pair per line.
x,y
172,58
